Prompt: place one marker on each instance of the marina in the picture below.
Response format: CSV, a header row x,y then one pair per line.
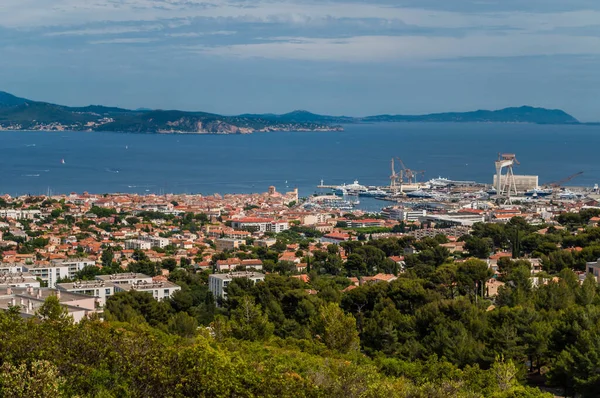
x,y
507,187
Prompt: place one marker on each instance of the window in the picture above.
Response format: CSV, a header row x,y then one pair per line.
x,y
166,292
107,292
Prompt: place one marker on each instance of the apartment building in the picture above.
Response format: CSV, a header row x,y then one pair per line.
x,y
217,283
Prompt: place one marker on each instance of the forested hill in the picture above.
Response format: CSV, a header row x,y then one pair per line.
x,y
24,114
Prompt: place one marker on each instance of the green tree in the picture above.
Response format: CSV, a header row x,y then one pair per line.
x,y
249,323
337,329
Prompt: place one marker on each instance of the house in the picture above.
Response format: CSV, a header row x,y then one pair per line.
x,y
335,238
228,265
492,286
255,264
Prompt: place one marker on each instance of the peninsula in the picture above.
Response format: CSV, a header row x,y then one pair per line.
x,y
23,114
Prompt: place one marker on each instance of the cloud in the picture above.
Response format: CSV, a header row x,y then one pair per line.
x,y
131,40
391,48
108,30
200,34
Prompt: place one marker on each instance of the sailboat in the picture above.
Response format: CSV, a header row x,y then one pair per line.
x,y
62,161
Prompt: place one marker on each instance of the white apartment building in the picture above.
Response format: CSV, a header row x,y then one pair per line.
x,y
75,264
159,290
260,225
155,241
48,273
29,300
137,244
402,214
18,279
217,283
128,278
17,214
99,289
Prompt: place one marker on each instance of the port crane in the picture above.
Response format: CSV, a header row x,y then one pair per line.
x,y
408,175
558,184
505,184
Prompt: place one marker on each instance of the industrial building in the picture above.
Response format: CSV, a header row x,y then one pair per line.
x,y
523,183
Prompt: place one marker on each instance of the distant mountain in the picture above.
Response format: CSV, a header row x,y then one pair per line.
x,y
523,114
23,114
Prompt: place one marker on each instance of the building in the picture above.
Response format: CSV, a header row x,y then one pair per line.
x,y
49,273
523,182
97,288
260,225
156,241
217,283
224,244
137,244
19,214
18,279
265,242
366,223
160,290
227,265
403,214
75,265
29,300
594,269
335,238
128,278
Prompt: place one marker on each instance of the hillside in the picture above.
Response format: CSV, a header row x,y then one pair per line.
x,y
24,114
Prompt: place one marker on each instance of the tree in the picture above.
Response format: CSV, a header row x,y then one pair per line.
x,y
52,310
337,329
479,247
39,380
249,323
107,257
183,325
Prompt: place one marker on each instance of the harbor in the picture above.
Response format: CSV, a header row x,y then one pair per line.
x,y
408,187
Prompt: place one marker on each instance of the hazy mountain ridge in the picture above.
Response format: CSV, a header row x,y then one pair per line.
x,y
23,114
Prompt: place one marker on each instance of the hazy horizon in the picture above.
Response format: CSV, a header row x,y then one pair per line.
x,y
338,57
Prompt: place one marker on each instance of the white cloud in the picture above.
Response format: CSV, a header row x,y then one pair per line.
x,y
200,34
109,30
390,48
132,40
37,13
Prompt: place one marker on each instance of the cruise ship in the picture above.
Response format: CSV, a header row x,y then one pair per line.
x,y
373,193
351,189
420,194
538,192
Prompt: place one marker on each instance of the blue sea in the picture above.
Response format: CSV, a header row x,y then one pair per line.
x,y
30,162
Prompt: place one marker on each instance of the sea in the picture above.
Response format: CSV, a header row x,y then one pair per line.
x,y
101,162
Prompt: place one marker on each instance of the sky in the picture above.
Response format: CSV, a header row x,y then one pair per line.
x,y
342,57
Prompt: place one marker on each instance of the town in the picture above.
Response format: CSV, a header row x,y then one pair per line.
x,y
186,263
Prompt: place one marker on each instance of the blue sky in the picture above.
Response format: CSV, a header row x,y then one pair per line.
x,y
347,57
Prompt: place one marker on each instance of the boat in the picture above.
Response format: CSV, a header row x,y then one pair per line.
x,y
538,192
62,161
568,194
332,202
420,194
439,182
492,191
373,193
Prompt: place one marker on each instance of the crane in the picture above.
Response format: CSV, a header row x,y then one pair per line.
x,y
408,174
558,184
